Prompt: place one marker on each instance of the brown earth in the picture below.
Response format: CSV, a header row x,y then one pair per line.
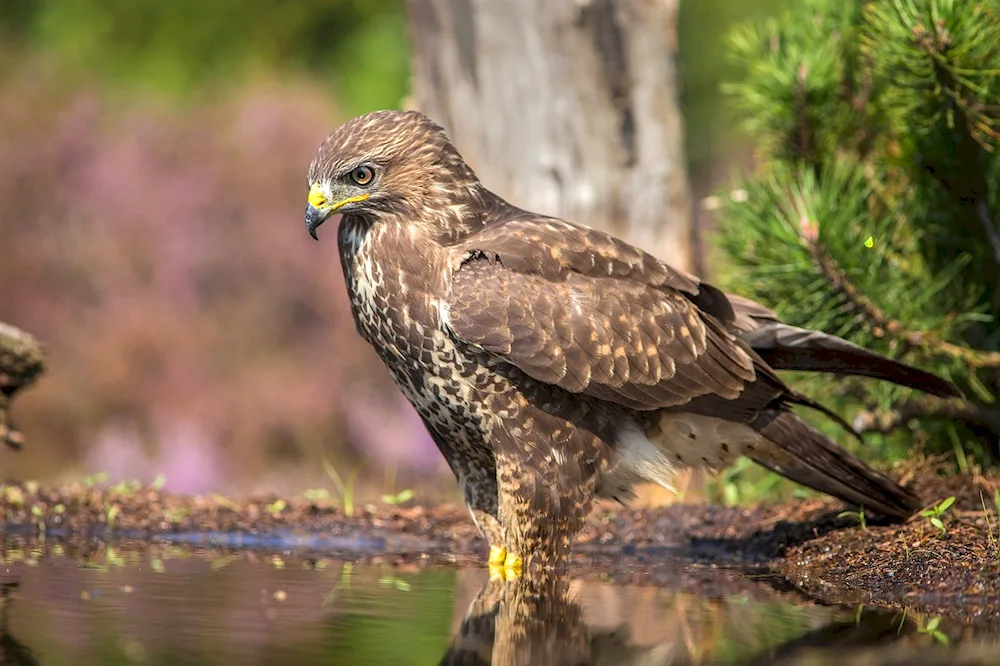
x,y
804,545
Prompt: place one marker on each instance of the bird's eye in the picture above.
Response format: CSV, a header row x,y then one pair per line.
x,y
362,175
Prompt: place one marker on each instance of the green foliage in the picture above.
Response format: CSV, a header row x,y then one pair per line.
x,y
934,513
402,497
345,490
874,208
931,629
185,45
858,515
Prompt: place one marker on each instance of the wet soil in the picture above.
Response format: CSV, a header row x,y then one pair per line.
x,y
805,545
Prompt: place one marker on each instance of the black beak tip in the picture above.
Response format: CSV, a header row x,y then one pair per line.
x,y
314,217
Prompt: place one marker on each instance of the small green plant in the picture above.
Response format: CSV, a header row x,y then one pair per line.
x,y
276,507
931,629
225,502
92,480
345,490
389,494
112,558
401,497
13,495
858,515
159,482
39,513
317,495
220,563
344,584
176,514
126,488
933,514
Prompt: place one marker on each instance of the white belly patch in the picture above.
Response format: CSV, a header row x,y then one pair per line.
x,y
676,441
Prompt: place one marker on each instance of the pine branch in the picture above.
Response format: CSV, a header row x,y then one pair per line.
x,y
882,324
927,408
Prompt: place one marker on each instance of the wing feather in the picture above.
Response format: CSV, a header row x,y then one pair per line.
x,y
641,345
580,309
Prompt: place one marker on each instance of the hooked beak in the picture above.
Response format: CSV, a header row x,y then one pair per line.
x,y
320,208
315,217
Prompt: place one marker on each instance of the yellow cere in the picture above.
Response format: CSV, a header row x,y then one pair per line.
x,y
316,197
349,200
318,200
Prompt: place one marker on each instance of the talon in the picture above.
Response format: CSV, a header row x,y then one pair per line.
x,y
504,565
513,566
498,555
497,572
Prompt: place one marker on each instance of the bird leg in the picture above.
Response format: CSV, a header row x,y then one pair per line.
x,y
541,507
476,473
479,486
503,565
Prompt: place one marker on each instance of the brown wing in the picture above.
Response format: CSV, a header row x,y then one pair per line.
x,y
620,337
554,248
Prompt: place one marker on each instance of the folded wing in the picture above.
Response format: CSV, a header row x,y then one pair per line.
x,y
642,346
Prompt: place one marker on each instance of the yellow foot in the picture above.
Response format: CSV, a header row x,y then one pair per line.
x,y
498,555
504,565
512,566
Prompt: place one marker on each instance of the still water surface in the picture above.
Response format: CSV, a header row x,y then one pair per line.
x,y
108,606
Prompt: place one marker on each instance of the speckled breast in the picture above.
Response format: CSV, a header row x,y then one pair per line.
x,y
396,310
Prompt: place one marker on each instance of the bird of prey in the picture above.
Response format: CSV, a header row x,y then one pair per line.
x,y
551,362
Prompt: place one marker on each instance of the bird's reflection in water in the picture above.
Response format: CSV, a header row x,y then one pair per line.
x,y
539,621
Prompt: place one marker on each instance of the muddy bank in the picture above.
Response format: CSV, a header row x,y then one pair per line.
x,y
953,572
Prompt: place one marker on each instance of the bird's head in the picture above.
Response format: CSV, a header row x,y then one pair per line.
x,y
387,164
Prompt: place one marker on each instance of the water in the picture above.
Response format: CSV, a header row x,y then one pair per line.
x,y
154,604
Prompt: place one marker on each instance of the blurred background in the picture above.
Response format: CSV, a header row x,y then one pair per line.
x,y
152,182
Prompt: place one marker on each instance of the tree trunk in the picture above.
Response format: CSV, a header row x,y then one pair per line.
x,y
564,107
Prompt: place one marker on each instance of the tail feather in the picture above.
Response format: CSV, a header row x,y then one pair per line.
x,y
799,399
785,347
801,453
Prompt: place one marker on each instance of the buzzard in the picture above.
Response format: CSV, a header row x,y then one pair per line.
x,y
552,363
